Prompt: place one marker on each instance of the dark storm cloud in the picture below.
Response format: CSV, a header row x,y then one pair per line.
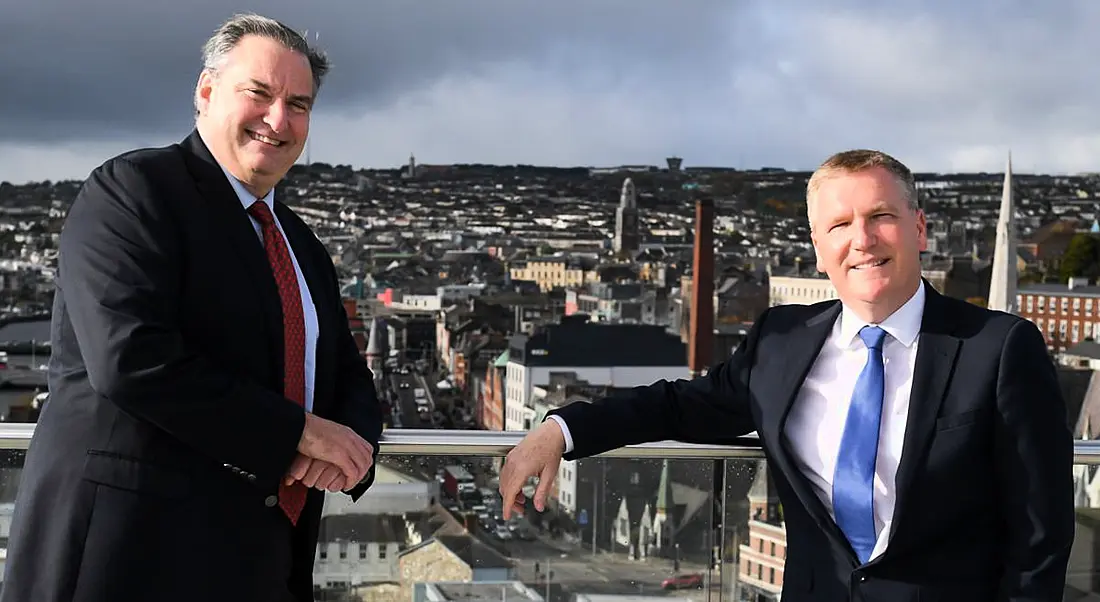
x,y
943,84
111,68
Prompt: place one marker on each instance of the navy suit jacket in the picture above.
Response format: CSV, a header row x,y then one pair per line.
x,y
166,433
984,495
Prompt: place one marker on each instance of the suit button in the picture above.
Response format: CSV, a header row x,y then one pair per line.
x,y
251,478
271,500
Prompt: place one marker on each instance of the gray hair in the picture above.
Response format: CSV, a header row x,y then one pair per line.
x,y
853,161
215,52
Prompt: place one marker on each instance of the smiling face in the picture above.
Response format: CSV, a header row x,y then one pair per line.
x,y
254,111
868,240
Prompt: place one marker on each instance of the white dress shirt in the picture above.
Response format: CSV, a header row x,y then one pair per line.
x,y
309,312
815,424
816,421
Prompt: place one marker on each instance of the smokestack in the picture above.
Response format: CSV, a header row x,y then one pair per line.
x,y
701,335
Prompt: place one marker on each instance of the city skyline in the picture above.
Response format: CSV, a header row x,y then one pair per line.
x,y
757,84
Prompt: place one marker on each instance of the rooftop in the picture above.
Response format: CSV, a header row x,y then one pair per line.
x,y
484,591
373,528
472,552
1059,289
577,343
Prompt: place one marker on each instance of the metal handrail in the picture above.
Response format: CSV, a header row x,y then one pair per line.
x,y
443,442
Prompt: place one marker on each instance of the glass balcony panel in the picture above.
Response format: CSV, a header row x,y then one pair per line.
x,y
434,525
1083,572
717,532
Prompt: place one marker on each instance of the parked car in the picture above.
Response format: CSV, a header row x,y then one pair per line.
x,y
693,580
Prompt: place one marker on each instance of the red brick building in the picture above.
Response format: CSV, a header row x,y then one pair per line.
x,y
1065,313
490,401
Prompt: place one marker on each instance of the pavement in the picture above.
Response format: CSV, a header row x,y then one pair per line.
x,y
576,569
405,407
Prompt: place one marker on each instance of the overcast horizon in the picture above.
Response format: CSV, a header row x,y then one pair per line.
x,y
745,84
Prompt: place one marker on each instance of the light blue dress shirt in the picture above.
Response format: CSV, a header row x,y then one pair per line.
x,y
309,312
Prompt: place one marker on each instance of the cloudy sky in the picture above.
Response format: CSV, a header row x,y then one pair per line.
x,y
942,84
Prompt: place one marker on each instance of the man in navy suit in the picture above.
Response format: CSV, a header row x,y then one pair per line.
x,y
918,443
205,389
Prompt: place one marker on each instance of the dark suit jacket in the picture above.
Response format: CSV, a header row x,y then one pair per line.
x,y
984,508
166,433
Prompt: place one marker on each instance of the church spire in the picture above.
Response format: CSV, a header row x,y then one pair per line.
x,y
664,492
1002,282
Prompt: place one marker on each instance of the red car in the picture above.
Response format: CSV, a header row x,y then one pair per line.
x,y
694,580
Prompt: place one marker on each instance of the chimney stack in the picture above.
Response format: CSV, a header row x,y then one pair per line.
x,y
701,335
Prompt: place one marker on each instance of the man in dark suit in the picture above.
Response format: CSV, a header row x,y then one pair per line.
x,y
919,444
205,389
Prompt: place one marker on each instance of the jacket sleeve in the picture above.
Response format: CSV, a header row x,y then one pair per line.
x,y
713,408
1034,454
120,269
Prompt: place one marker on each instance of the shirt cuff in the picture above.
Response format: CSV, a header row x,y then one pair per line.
x,y
564,431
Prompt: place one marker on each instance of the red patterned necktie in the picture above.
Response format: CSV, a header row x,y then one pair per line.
x,y
291,498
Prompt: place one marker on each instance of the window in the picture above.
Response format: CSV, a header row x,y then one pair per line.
x,y
381,551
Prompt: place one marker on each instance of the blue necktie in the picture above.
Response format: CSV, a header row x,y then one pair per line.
x,y
854,480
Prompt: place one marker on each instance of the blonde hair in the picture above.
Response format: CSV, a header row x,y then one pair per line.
x,y
854,161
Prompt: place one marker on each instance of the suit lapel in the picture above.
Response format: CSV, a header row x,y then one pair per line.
x,y
234,226
801,349
936,353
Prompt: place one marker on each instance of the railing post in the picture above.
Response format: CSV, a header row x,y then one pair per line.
x,y
596,504
717,526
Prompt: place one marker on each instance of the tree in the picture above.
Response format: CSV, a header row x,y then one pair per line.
x,y
1082,257
1031,276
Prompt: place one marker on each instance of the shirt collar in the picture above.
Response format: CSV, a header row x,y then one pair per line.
x,y
246,198
903,325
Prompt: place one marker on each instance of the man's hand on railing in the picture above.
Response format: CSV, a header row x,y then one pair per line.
x,y
335,444
538,454
316,473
